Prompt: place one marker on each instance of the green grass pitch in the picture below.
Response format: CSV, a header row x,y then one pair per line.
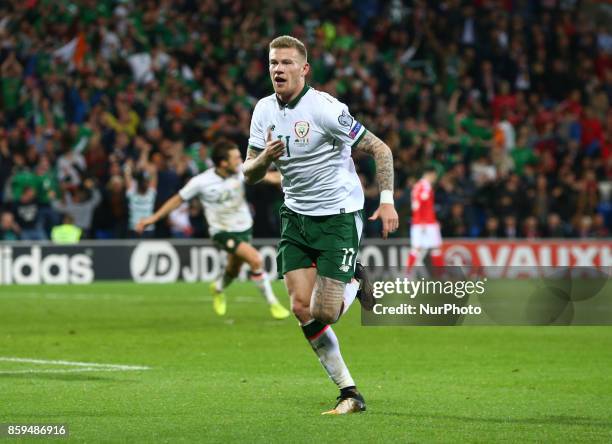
x,y
248,378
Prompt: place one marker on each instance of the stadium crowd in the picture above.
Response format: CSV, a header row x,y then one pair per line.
x,y
107,105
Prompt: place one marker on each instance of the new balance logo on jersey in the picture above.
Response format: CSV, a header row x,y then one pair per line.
x,y
344,268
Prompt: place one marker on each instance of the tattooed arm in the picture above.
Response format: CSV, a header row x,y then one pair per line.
x,y
382,157
384,176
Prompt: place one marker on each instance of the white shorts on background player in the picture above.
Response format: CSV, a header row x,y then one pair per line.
x,y
425,236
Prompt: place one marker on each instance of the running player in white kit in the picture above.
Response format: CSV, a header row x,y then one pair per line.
x,y
221,191
309,135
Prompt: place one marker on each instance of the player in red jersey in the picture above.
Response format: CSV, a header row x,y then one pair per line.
x,y
425,230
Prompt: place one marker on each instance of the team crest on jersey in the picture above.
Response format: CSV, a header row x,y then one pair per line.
x,y
345,119
344,268
301,129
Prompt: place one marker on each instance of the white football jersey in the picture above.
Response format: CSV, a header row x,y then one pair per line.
x,y
319,175
223,199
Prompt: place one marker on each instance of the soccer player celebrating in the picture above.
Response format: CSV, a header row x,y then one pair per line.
x,y
309,135
425,235
221,190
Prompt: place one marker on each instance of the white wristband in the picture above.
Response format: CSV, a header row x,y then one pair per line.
x,y
386,197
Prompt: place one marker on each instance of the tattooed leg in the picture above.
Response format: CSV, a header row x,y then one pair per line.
x,y
327,299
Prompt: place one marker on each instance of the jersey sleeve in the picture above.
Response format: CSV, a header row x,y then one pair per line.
x,y
257,138
337,121
190,190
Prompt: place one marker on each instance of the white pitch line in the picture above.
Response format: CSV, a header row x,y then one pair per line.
x,y
67,370
74,363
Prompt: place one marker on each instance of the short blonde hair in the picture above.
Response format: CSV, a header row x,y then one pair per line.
x,y
286,41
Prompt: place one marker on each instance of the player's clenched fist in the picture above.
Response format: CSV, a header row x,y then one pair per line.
x,y
274,148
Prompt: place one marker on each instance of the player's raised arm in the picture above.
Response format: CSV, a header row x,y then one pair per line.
x,y
384,176
257,162
170,205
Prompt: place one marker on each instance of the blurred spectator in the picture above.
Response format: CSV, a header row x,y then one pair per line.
x,y
110,217
140,193
455,225
599,226
530,228
71,167
27,215
11,71
510,229
6,163
80,204
46,184
492,229
540,199
584,227
554,227
522,154
9,230
67,233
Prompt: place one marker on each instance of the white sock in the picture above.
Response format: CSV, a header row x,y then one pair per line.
x,y
325,345
223,281
260,278
350,292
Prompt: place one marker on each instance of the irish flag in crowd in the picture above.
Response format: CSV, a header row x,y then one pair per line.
x,y
73,52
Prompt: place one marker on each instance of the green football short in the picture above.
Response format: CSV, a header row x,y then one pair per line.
x,y
330,243
229,240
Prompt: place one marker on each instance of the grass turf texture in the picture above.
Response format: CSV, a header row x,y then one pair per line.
x,y
247,377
